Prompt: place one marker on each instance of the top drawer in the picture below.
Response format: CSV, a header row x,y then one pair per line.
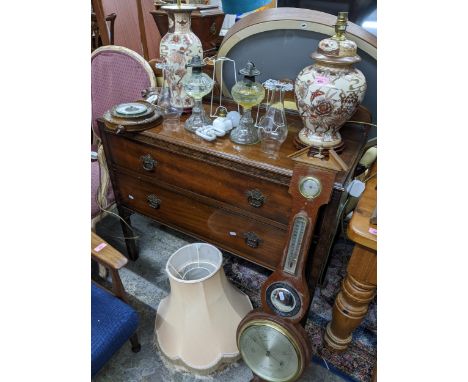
x,y
255,195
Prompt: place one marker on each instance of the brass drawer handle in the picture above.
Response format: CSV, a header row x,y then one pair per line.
x,y
148,162
255,198
252,240
153,201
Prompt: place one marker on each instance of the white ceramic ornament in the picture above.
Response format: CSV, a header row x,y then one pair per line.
x,y
235,117
223,123
206,132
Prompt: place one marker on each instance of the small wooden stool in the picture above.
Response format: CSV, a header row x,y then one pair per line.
x,y
360,284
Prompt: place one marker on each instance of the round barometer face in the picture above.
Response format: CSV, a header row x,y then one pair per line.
x,y
310,187
283,299
270,351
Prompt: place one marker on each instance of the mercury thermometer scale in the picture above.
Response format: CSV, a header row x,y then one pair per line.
x,y
295,244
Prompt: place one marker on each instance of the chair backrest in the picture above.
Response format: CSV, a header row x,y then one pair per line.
x,y
118,75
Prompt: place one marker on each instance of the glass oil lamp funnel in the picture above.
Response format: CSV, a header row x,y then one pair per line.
x,y
197,84
273,128
247,93
167,103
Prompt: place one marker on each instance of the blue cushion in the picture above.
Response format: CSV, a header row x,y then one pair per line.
x,y
237,7
112,324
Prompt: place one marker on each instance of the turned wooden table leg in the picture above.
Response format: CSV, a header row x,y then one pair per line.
x,y
357,291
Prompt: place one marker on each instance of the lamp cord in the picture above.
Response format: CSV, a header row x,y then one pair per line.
x,y
106,210
363,123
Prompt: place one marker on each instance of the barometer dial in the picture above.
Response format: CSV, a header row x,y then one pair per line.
x,y
270,351
283,299
310,187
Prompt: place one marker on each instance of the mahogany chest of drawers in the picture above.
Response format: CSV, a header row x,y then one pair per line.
x,y
232,196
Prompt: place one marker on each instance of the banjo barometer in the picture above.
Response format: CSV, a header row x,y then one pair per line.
x,y
271,340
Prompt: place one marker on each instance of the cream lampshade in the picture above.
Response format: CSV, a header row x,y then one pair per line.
x,y
196,324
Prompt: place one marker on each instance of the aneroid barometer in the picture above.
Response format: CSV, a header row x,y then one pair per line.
x,y
271,340
274,350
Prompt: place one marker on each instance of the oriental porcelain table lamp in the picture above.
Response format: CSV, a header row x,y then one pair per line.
x,y
177,47
329,91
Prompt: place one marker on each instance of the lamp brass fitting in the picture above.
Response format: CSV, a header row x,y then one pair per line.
x,y
222,112
340,26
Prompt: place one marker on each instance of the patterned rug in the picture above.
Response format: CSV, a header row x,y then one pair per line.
x,y
358,361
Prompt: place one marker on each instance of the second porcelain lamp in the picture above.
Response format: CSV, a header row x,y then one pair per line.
x,y
329,92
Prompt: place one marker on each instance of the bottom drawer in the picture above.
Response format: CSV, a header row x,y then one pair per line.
x,y
258,242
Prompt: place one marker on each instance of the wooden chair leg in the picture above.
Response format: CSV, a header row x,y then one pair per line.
x,y
94,269
136,347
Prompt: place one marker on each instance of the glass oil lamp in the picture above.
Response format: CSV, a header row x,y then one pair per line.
x,y
197,84
247,93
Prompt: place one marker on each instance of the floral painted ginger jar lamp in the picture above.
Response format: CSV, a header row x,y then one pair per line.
x,y
178,46
329,91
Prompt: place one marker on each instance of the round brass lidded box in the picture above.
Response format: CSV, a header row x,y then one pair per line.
x,y
132,117
329,91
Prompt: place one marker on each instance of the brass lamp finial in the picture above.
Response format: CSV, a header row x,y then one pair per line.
x,y
222,112
340,26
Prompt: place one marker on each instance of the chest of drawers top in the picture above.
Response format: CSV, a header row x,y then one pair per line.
x,y
247,159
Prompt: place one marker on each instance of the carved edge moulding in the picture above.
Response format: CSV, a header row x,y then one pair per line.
x,y
244,166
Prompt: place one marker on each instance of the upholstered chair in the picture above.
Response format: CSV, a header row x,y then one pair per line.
x,y
118,75
113,320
